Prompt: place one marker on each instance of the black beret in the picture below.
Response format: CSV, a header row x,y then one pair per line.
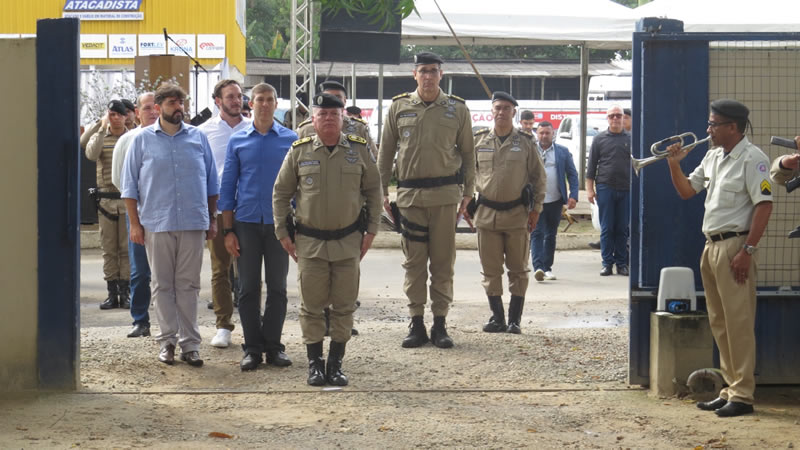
x,y
353,110
627,111
118,107
730,109
500,95
128,104
245,102
427,58
327,101
332,85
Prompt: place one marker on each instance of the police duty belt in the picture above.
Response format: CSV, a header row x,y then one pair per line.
x,y
525,198
328,235
404,226
98,195
420,183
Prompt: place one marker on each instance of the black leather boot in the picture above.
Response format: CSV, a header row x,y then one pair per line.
x,y
439,335
417,334
333,373
497,323
124,293
316,364
113,300
515,314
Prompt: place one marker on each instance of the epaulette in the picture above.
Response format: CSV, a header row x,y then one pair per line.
x,y
405,94
304,122
359,119
455,97
482,131
301,141
355,138
526,133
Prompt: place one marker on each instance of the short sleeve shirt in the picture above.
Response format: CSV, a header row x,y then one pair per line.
x,y
736,182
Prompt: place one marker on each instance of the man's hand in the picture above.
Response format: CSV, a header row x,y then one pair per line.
x,y
571,203
366,243
591,195
288,245
533,219
676,153
137,234
386,206
791,162
212,229
232,244
462,209
740,266
797,142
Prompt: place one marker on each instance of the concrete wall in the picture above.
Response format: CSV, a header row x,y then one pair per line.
x,y
18,231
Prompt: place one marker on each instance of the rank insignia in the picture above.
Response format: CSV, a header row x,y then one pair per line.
x,y
766,188
301,141
351,160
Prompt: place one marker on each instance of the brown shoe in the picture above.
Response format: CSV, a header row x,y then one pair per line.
x,y
192,358
167,354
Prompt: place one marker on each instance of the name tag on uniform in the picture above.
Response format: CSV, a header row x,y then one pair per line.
x,y
408,114
516,149
308,163
485,149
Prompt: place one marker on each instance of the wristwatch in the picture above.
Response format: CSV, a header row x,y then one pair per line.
x,y
225,231
750,249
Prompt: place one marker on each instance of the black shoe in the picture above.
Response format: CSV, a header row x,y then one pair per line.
x,y
439,335
210,305
139,330
113,298
733,409
316,364
515,307
333,371
167,354
353,332
192,358
595,245
606,271
417,335
497,323
623,270
713,405
250,362
278,359
124,293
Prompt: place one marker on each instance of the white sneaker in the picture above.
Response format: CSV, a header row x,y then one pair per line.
x,y
222,339
539,275
549,275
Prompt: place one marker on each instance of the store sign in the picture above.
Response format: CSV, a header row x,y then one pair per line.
x,y
151,44
94,46
103,9
185,41
121,45
210,45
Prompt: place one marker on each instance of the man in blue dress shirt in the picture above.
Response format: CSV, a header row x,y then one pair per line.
x,y
252,162
170,189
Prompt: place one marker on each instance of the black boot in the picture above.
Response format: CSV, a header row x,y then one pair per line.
x,y
515,314
497,322
124,292
417,335
439,333
113,300
316,364
333,373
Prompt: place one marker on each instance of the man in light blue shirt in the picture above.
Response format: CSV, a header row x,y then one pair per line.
x,y
170,189
254,157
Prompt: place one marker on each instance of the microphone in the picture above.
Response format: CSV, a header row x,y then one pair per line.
x,y
166,36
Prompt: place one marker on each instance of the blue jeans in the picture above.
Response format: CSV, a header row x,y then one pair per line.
x,y
140,281
614,208
543,237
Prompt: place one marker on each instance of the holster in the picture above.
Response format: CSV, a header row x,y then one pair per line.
x,y
96,195
363,219
396,217
526,198
290,226
472,207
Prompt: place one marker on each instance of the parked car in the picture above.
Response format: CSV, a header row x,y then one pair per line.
x,y
568,134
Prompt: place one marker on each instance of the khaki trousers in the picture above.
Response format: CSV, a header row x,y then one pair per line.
x,y
114,241
440,250
732,314
221,295
327,283
511,246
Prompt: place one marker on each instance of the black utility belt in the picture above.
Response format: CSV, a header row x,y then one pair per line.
x,y
499,206
418,183
726,235
327,235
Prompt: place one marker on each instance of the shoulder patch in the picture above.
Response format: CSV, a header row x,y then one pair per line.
x,y
301,141
455,97
307,121
359,120
481,131
355,138
405,94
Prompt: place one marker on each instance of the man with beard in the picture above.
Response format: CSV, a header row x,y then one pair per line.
x,y
228,98
170,189
137,255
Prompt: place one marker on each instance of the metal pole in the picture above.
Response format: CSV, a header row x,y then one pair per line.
x,y
541,94
353,94
584,91
450,85
380,102
293,66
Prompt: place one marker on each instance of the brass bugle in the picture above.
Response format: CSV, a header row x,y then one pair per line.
x,y
659,149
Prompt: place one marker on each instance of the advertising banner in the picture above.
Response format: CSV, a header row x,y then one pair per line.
x,y
121,45
184,40
103,9
94,46
210,45
151,44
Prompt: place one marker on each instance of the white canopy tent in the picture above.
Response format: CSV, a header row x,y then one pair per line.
x,y
726,15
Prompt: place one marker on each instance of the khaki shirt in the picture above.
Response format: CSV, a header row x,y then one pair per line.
x,y
301,117
328,188
430,141
504,168
357,127
100,148
735,184
779,174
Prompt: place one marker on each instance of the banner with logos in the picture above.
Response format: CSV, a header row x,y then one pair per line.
x,y
210,45
121,45
186,41
151,44
94,46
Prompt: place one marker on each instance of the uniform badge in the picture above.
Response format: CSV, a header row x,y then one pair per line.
x,y
351,128
516,149
406,133
485,150
351,152
308,163
762,167
351,159
452,101
408,114
766,188
309,180
451,108
450,115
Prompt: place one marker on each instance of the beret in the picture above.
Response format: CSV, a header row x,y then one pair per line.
x,y
500,95
327,101
427,58
332,85
118,107
730,109
354,110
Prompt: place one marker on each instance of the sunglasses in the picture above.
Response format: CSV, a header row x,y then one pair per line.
x,y
615,116
716,124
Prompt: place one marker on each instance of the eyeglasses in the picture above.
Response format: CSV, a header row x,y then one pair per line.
x,y
716,124
615,116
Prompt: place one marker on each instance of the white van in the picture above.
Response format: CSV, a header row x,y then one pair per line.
x,y
568,134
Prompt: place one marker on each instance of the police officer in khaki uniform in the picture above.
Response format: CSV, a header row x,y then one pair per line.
x,y
302,112
738,205
431,133
111,209
511,185
786,167
329,175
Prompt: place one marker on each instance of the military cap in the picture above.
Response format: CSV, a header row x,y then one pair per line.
x,y
118,107
427,58
128,104
354,110
246,103
327,101
500,95
730,109
627,111
332,85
